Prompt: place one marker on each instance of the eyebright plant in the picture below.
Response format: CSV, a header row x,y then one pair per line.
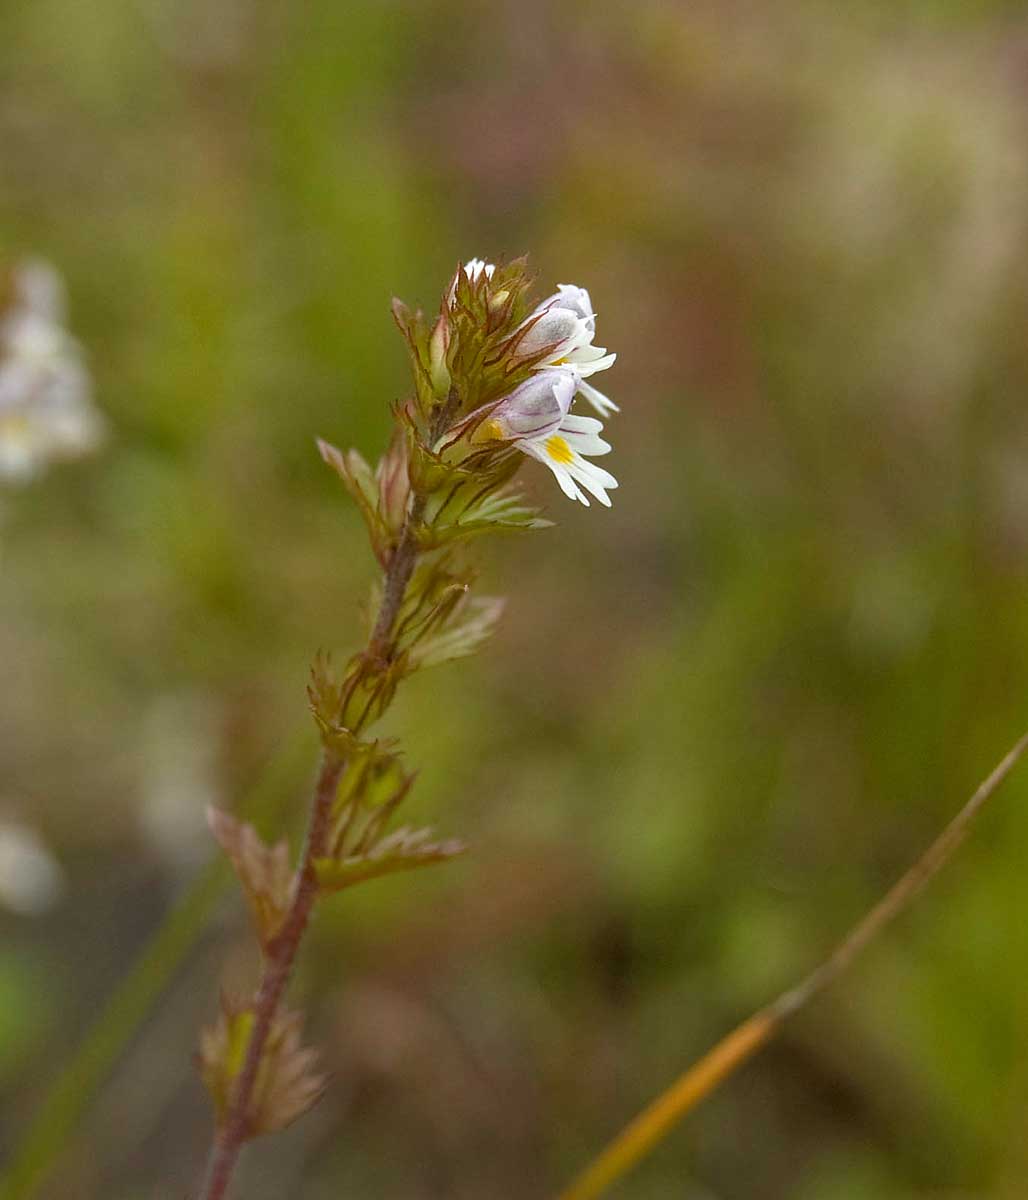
x,y
496,378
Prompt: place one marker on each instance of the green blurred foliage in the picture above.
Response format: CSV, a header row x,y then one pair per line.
x,y
717,721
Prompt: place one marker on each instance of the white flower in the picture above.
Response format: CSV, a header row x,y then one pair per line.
x,y
476,267
563,327
536,417
46,409
564,451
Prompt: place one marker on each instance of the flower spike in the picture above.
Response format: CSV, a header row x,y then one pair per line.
x,y
495,379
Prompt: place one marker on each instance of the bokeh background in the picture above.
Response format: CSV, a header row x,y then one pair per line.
x,y
718,719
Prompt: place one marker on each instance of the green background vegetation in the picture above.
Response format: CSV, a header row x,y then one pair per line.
x,y
717,720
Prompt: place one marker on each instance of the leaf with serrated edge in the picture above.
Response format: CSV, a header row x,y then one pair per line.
x,y
264,871
359,480
404,850
472,624
287,1084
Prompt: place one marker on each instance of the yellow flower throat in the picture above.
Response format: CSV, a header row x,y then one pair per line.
x,y
559,450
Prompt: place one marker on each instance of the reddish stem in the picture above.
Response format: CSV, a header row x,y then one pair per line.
x,y
281,952
278,965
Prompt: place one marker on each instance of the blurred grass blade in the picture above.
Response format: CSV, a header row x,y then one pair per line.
x,y
657,1120
85,1072
653,1124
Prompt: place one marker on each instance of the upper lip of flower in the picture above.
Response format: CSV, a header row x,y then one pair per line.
x,y
534,408
552,332
578,300
538,405
560,333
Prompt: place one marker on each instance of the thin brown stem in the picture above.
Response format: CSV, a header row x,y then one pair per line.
x,y
405,556
650,1127
278,965
281,953
401,567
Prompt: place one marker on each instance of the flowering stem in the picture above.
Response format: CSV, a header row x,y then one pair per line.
x,y
281,952
647,1129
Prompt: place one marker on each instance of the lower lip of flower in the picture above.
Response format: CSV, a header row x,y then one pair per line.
x,y
559,450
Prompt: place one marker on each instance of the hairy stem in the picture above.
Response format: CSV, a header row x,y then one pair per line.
x,y
281,954
405,556
278,966
650,1127
401,567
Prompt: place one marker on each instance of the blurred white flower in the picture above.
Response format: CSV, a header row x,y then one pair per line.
x,y
31,880
179,773
46,407
563,327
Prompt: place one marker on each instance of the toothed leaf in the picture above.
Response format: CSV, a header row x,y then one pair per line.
x,y
404,850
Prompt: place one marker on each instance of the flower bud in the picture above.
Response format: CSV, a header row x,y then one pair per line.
x,y
478,266
473,270
438,345
393,485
